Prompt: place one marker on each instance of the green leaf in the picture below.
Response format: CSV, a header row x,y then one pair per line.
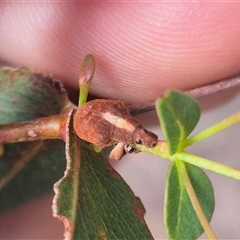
x,y
104,207
117,214
178,114
35,177
180,218
28,170
25,95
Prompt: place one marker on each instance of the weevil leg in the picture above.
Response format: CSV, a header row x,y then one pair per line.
x,y
129,149
118,152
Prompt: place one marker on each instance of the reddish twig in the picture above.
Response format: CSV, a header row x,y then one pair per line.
x,y
43,128
196,93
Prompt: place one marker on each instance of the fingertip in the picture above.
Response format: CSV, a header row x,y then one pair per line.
x,y
141,49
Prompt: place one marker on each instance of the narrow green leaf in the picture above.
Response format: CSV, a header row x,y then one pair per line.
x,y
180,218
104,207
178,114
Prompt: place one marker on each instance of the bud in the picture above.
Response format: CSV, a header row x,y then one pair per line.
x,y
87,69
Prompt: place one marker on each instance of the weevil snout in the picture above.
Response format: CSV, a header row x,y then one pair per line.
x,y
144,137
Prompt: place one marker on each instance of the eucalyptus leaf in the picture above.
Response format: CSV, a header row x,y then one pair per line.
x,y
178,114
108,201
180,218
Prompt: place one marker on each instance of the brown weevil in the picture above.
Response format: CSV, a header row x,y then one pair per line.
x,y
108,122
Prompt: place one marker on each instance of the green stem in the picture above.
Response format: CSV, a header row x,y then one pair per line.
x,y
195,203
161,149
84,88
209,165
213,130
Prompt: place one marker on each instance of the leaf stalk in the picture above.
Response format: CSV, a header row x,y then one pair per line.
x,y
213,130
208,165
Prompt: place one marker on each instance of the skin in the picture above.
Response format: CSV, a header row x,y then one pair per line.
x,y
139,47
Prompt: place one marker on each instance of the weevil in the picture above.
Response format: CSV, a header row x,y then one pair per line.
x,y
109,122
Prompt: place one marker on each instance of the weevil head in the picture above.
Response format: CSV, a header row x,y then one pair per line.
x,y
144,137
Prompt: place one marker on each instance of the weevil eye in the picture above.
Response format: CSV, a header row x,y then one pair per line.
x,y
138,141
153,144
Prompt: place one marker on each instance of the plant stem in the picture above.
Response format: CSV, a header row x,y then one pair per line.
x,y
195,203
43,128
208,164
213,130
160,149
195,92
